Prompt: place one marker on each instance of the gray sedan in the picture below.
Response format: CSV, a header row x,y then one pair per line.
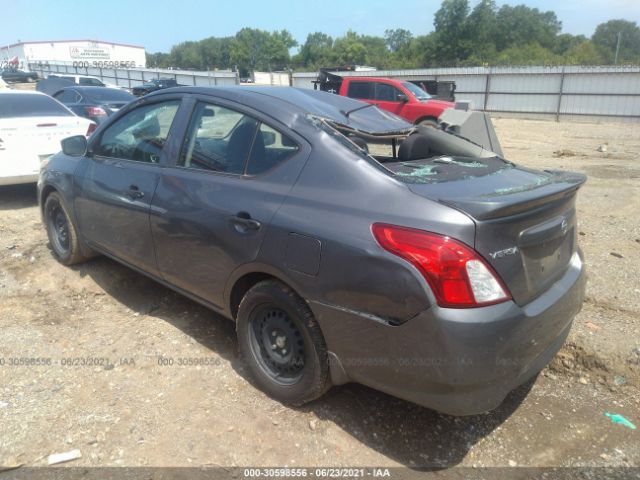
x,y
346,244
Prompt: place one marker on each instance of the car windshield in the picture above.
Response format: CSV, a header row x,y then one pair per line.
x,y
30,105
419,93
90,82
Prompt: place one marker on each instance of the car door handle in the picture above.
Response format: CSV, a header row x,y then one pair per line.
x,y
243,222
134,192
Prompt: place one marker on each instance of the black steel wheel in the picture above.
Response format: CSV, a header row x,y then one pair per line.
x,y
277,344
282,343
61,231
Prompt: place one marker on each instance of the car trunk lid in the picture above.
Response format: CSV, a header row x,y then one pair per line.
x,y
525,219
41,135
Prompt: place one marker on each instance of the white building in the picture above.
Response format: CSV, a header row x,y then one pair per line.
x,y
80,53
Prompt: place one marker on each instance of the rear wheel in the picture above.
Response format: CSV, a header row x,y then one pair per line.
x,y
61,231
282,343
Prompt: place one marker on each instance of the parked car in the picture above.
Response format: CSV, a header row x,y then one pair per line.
x,y
153,85
94,103
437,272
13,75
401,97
31,127
85,81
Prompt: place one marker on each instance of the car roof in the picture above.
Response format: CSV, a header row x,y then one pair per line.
x,y
295,101
374,79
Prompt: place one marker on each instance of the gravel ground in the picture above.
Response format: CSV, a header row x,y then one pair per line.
x,y
132,407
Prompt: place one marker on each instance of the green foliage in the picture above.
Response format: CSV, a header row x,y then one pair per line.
x,y
606,39
484,35
452,39
521,25
316,52
529,54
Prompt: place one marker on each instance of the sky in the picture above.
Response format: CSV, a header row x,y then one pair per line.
x,y
159,24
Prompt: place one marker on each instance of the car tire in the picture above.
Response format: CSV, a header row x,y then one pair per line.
x,y
62,233
282,344
429,123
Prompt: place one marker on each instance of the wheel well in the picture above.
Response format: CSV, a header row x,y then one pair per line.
x,y
46,191
242,286
425,118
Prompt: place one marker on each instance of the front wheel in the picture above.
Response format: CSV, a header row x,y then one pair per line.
x,y
61,231
282,343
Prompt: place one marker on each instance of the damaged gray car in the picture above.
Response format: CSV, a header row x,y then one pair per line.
x,y
346,244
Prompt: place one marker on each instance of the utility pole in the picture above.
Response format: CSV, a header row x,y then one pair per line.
x,y
615,62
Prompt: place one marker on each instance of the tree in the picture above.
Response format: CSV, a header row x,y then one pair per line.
x,y
585,53
316,51
529,54
216,52
521,25
606,39
187,55
482,27
354,49
451,34
486,35
565,42
398,39
158,60
253,49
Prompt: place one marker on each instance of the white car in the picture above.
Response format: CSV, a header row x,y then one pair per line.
x,y
85,80
31,127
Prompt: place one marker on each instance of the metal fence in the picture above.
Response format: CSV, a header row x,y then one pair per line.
x,y
131,77
545,92
533,92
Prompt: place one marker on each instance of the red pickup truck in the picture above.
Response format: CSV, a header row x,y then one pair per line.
x,y
397,96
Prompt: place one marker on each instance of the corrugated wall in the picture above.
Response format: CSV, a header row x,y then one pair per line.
x,y
554,92
130,78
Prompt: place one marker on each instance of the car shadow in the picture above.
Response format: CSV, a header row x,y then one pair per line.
x,y
414,436
13,197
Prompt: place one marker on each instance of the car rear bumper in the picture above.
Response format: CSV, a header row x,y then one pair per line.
x,y
457,361
18,179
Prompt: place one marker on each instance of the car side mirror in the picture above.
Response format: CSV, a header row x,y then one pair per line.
x,y
75,146
403,98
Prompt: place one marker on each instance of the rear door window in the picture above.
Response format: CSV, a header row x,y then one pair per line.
x,y
218,139
362,90
270,148
140,135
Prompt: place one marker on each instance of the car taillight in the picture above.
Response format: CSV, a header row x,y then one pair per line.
x,y
91,129
458,276
95,111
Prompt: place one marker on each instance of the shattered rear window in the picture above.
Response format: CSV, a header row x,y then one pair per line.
x,y
446,169
434,169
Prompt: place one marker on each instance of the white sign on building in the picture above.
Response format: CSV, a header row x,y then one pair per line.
x,y
77,53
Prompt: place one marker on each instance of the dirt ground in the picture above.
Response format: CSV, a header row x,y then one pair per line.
x,y
136,409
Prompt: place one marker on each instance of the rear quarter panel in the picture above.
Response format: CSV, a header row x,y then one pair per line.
x,y
337,198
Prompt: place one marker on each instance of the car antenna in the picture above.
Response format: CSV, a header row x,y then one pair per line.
x,y
349,112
